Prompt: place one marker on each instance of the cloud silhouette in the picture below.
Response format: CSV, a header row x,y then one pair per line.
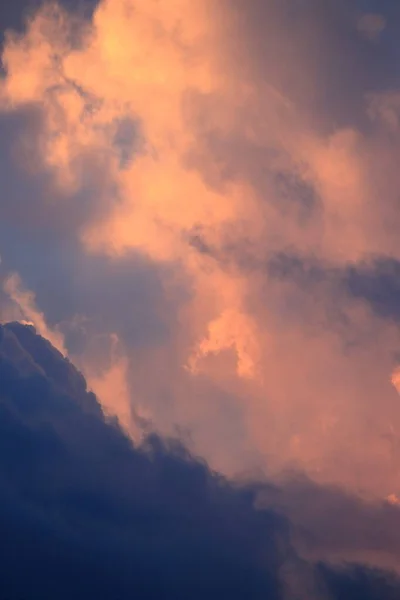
x,y
86,512
81,501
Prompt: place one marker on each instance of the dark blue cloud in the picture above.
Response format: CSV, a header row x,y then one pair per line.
x,y
303,271
357,584
86,514
378,283
375,281
13,14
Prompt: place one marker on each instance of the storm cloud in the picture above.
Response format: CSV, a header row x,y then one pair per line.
x,y
200,209
85,512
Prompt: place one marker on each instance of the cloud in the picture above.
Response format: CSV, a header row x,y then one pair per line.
x,y
89,513
26,303
166,157
377,283
367,533
141,512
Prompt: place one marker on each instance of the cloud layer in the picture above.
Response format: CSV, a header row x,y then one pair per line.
x,y
202,204
85,513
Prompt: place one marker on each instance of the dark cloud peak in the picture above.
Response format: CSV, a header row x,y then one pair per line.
x,y
86,514
46,361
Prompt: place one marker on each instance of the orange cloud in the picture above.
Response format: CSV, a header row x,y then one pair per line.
x,y
220,122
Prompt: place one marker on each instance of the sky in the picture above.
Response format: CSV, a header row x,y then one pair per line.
x,y
85,513
200,210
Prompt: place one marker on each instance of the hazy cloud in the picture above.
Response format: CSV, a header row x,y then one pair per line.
x,y
164,160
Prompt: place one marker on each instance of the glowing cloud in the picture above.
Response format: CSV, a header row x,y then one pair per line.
x,y
236,161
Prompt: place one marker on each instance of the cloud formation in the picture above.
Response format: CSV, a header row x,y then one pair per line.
x,y
198,193
86,513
